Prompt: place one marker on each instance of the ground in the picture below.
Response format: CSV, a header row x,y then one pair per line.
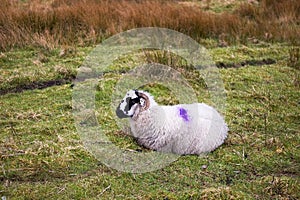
x,y
43,157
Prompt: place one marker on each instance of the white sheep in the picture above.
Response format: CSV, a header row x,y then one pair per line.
x,y
182,129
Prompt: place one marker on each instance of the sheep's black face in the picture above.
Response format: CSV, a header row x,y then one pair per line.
x,y
129,104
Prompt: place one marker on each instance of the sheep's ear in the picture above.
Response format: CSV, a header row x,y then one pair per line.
x,y
144,100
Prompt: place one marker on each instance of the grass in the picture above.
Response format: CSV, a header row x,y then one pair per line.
x,y
50,24
42,155
27,68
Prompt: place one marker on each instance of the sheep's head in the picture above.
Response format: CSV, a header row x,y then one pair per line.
x,y
134,100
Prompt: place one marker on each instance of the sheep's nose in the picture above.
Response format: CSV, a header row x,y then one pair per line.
x,y
120,113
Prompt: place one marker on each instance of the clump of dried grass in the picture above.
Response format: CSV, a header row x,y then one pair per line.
x,y
65,22
271,20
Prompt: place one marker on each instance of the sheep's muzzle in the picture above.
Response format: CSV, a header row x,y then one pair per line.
x,y
120,113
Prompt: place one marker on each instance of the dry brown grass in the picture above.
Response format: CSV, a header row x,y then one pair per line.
x,y
69,22
272,20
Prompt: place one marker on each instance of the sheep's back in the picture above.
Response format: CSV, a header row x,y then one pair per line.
x,y
182,129
204,130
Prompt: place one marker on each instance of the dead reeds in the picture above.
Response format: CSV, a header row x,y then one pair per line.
x,y
65,22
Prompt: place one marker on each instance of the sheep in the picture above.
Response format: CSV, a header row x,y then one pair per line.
x,y
181,129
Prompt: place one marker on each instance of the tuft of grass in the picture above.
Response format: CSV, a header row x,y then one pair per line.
x,y
294,57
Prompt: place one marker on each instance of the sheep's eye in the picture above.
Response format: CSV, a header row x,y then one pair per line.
x,y
131,102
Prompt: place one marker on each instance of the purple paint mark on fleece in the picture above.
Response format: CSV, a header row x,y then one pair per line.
x,y
183,114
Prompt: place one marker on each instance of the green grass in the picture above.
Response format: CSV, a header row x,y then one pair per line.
x,y
237,54
42,156
28,67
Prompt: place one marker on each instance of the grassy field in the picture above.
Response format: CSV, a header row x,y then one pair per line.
x,y
52,23
42,156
